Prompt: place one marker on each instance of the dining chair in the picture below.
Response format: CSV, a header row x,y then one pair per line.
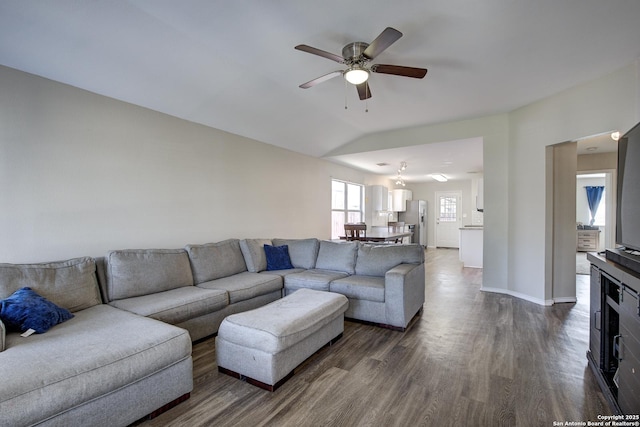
x,y
396,227
355,231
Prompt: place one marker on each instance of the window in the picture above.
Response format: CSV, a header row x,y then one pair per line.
x,y
346,205
600,213
448,209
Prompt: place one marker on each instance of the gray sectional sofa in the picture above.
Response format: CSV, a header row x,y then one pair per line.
x,y
136,313
194,288
104,367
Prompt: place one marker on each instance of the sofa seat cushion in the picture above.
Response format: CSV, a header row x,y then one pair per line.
x,y
245,285
279,325
312,279
283,273
368,288
177,305
100,350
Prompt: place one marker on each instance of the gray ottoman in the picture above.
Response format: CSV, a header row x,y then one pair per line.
x,y
263,346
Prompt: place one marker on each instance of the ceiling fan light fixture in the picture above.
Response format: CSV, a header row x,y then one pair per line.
x,y
356,75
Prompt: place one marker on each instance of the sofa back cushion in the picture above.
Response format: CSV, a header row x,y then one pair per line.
x,y
70,284
135,272
377,260
303,252
253,252
216,260
337,256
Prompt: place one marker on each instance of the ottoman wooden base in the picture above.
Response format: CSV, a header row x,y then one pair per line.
x,y
264,346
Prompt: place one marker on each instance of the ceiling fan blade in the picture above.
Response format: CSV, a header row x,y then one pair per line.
x,y
321,79
363,91
399,70
323,53
386,38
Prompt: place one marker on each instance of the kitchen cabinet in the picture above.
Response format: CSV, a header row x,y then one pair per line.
x,y
595,314
378,197
471,241
400,197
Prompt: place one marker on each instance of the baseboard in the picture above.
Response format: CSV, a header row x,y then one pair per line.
x,y
518,295
564,300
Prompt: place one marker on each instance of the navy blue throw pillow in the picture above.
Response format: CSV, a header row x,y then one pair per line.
x,y
25,309
277,257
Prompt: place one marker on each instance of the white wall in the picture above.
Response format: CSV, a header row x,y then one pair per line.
x,y
81,174
597,162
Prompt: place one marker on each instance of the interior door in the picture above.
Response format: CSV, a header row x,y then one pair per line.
x,y
448,219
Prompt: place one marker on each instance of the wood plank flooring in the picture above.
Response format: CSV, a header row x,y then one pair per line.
x,y
472,359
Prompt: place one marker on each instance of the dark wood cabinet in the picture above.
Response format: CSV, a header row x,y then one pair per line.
x,y
614,336
629,364
595,328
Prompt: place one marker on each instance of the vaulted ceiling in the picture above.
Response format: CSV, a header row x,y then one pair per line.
x,y
232,64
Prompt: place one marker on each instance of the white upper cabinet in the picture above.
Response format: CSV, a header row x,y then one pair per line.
x,y
378,196
400,197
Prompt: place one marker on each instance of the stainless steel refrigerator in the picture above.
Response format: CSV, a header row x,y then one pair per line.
x,y
416,215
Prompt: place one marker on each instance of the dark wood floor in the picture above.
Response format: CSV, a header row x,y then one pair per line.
x,y
472,359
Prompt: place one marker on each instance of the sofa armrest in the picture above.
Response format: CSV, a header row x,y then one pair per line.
x,y
403,293
3,336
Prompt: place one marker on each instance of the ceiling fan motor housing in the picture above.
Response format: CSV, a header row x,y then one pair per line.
x,y
353,52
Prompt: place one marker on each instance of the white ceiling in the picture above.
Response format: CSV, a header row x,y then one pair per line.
x,y
232,64
597,144
456,160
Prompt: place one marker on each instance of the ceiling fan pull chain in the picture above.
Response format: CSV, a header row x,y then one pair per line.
x,y
345,94
366,100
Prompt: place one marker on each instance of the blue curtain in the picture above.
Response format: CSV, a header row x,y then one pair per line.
x,y
594,194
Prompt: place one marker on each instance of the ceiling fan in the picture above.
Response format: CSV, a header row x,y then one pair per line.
x,y
356,56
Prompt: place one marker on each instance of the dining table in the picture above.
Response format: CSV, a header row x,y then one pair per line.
x,y
382,235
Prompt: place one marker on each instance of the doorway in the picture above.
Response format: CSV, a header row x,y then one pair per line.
x,y
448,219
563,161
597,166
